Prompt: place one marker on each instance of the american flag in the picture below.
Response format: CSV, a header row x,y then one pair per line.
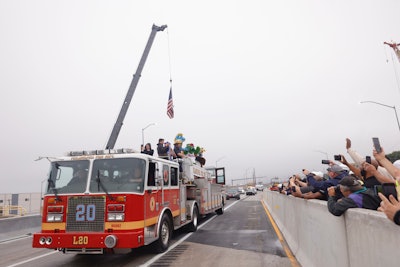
x,y
170,107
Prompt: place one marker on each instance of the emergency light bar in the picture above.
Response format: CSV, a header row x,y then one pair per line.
x,y
101,152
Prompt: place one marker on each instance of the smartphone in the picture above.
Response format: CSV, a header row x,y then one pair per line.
x,y
325,161
368,159
389,189
377,145
377,189
337,157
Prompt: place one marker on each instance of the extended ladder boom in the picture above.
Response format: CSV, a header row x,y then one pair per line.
x,y
125,105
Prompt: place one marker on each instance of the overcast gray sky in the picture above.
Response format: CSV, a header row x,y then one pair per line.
x,y
272,86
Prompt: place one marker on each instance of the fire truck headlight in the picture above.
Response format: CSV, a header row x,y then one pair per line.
x,y
116,217
45,240
54,218
42,240
110,241
49,240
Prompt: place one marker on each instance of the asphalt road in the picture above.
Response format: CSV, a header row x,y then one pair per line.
x,y
242,236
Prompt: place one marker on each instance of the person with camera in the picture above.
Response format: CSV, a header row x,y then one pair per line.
x,y
299,187
354,196
368,173
147,149
320,191
163,148
358,161
380,156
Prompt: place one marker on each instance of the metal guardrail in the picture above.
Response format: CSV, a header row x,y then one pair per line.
x,y
7,211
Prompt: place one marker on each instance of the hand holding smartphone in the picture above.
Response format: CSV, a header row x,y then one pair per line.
x,y
377,145
389,189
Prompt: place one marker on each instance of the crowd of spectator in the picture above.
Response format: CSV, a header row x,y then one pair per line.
x,y
370,183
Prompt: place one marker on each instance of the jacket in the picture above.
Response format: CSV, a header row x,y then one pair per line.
x,y
364,198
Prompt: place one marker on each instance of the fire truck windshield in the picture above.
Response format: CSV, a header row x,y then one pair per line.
x,y
118,175
68,176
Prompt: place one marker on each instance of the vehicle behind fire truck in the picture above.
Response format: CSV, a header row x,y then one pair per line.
x,y
105,200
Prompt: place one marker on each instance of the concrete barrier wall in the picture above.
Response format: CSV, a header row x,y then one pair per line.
x,y
360,237
19,223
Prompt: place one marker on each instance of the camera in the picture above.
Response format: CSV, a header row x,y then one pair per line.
x,y
325,161
337,190
337,157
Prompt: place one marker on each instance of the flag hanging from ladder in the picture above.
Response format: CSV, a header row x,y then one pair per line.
x,y
170,106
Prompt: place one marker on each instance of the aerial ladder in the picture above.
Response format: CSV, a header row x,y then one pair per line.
x,y
125,105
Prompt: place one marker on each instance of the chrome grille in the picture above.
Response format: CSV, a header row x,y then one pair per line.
x,y
85,214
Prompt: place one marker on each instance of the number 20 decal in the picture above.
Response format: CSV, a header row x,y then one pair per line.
x,y
85,213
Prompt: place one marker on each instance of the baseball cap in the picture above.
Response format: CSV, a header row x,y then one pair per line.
x,y
336,169
352,182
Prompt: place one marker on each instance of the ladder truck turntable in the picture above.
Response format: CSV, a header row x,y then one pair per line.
x,y
111,200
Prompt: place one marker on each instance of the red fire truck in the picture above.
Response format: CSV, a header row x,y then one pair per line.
x,y
116,199
105,200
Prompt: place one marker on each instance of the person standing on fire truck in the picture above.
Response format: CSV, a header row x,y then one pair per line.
x,y
178,150
162,149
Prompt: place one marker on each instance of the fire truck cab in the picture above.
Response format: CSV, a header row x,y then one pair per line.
x,y
106,200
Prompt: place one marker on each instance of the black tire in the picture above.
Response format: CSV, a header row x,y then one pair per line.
x,y
195,220
220,211
164,234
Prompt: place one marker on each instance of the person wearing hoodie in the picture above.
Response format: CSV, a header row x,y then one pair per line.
x,y
354,196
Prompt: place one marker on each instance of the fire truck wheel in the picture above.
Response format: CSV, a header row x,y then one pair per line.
x,y
164,234
220,211
195,220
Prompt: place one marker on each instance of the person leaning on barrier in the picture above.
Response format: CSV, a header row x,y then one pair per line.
x,y
298,186
285,188
368,172
320,191
358,160
387,164
370,168
354,196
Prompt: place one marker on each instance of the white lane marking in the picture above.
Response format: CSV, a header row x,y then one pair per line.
x,y
32,259
15,238
151,261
